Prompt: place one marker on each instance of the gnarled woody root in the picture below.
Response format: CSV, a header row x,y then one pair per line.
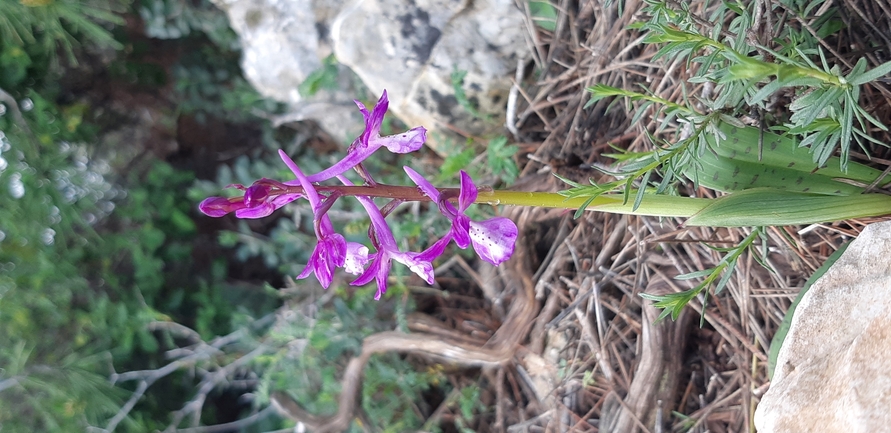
x,y
497,351
653,390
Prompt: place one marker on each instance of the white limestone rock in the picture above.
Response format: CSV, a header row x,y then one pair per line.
x,y
834,370
279,41
410,48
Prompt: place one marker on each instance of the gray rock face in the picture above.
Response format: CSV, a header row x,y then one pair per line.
x,y
410,48
834,369
279,42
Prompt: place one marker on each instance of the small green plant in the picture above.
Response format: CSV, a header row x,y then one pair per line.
x,y
789,167
457,78
499,155
322,78
311,347
673,303
826,112
544,14
50,24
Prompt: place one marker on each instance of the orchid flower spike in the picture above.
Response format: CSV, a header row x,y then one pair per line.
x,y
492,239
371,140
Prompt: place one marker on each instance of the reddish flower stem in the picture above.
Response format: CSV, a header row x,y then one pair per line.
x,y
405,193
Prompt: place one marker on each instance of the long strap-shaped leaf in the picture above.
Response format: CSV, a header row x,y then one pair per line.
x,y
772,207
736,162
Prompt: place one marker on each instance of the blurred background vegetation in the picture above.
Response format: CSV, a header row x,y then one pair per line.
x,y
121,307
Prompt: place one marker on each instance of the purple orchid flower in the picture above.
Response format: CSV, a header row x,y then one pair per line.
x,y
259,200
332,250
492,239
387,251
371,140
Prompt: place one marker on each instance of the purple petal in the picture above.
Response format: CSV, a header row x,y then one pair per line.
x,y
425,186
423,268
494,239
323,270
261,211
220,206
461,227
279,201
370,141
434,251
374,119
309,269
356,258
408,141
336,249
370,272
256,195
354,157
378,222
328,255
383,274
378,271
308,188
468,192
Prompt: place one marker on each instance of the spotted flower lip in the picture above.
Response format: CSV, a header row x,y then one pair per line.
x,y
371,140
493,239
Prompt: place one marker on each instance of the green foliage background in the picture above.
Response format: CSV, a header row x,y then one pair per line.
x,y
99,240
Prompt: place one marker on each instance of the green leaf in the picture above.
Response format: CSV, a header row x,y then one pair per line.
x,y
694,274
543,15
771,207
870,75
457,78
500,159
323,78
455,163
728,272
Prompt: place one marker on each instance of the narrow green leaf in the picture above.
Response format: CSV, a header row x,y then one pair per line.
x,y
728,272
847,123
694,274
870,75
643,187
581,210
771,207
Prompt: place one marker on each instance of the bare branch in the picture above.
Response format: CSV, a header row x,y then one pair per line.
x,y
208,383
231,426
200,352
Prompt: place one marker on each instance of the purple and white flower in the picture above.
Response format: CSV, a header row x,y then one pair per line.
x,y
332,250
387,251
371,140
493,239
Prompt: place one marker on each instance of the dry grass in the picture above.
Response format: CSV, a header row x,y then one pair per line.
x,y
618,370
590,357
